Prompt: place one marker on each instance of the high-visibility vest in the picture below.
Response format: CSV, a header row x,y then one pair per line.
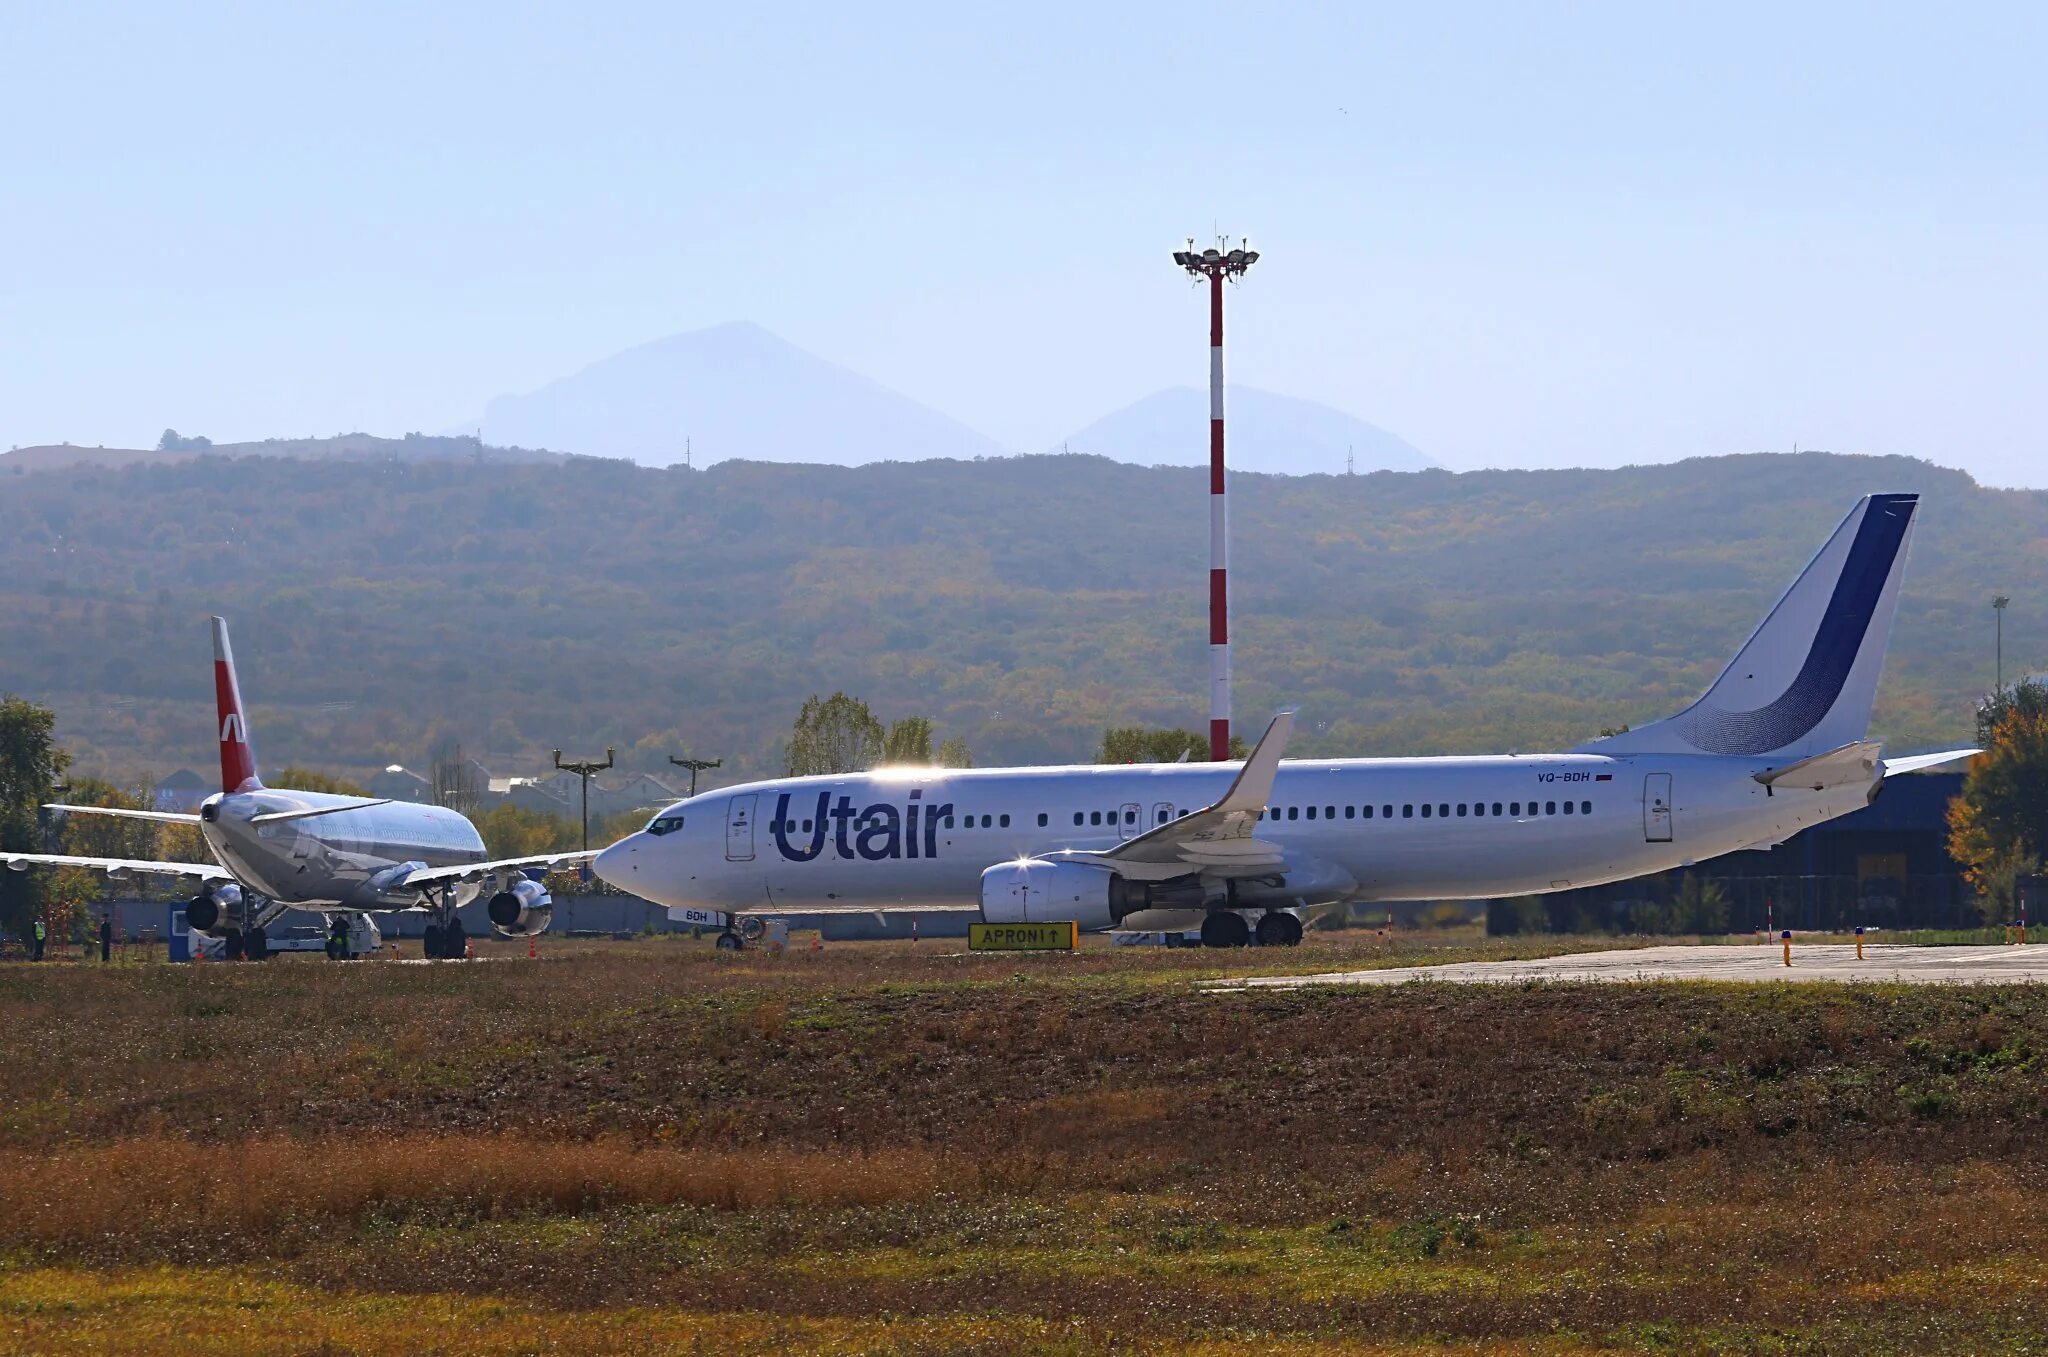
x,y
40,933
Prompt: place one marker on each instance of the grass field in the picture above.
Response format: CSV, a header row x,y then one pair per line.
x,y
890,1148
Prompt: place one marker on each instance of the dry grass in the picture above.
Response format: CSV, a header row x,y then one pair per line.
x,y
1025,1154
155,1187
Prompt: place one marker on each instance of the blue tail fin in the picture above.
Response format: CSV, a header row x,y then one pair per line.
x,y
1807,678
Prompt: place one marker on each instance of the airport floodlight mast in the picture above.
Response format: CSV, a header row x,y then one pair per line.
x,y
696,766
1216,265
585,770
1998,612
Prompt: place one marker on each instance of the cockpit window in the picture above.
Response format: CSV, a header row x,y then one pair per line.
x,y
665,824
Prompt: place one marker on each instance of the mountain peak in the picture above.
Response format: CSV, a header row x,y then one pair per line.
x,y
1268,432
734,390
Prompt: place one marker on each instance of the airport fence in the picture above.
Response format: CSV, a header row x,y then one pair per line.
x,y
1710,904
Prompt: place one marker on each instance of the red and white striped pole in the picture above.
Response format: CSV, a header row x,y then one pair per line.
x,y
1219,539
1217,265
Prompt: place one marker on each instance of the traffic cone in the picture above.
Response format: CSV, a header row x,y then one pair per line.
x,y
532,947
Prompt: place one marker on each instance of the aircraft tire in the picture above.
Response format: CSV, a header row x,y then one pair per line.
x,y
432,943
455,941
1225,928
1279,930
257,943
729,942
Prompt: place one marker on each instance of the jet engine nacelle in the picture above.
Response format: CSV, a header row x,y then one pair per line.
x,y
1035,890
521,909
207,913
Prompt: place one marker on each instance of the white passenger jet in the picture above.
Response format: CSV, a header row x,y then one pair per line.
x,y
1778,743
276,850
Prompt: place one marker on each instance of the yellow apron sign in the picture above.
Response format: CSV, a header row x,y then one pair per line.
x,y
1023,937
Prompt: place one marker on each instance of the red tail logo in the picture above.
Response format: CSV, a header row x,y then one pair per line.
x,y
237,758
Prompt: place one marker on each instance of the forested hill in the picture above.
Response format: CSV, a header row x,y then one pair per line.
x,y
1023,603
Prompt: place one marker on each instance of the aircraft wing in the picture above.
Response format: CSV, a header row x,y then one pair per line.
x,y
205,871
477,871
1220,837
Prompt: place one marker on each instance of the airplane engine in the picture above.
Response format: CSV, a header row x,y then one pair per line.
x,y
1034,890
207,912
524,909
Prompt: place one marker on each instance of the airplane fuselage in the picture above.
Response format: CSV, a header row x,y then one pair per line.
x,y
1351,829
337,860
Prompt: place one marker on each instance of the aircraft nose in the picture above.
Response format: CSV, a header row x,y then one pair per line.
x,y
617,865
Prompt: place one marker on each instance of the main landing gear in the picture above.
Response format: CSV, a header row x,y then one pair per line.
x,y
1227,928
446,940
239,919
1279,929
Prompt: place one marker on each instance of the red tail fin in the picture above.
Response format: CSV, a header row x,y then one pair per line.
x,y
237,757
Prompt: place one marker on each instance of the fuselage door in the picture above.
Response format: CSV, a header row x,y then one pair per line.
x,y
739,828
1162,814
1129,820
1657,808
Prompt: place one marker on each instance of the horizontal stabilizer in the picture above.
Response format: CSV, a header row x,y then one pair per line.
x,y
1851,763
274,816
167,816
1913,763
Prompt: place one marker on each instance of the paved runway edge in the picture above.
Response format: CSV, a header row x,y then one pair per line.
x,y
1735,962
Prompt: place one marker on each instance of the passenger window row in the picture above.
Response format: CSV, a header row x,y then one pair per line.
x,y
1128,815
1441,810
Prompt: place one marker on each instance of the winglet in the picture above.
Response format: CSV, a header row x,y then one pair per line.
x,y
1254,785
237,755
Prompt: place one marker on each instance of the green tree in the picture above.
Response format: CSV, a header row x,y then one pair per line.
x,y
953,753
836,735
1998,826
30,765
1148,744
108,836
511,831
909,741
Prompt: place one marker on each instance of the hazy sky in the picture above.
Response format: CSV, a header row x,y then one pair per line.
x,y
1516,235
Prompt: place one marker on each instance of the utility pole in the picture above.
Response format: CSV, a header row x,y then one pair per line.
x,y
585,770
696,766
1998,603
1216,265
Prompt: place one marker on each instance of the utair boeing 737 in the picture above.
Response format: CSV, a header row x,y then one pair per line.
x,y
1778,743
276,850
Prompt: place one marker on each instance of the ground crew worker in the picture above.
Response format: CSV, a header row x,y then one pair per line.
x,y
337,937
42,934
106,937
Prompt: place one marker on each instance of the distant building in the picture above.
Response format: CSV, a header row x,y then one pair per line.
x,y
182,791
398,783
635,792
